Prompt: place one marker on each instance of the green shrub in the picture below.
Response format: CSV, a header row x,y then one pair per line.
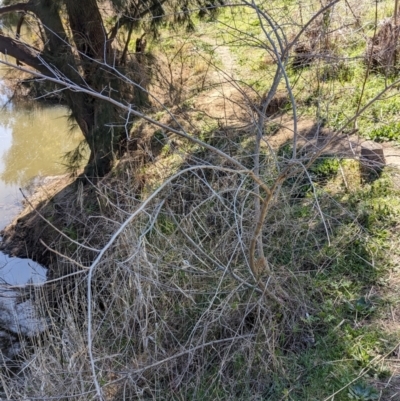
x,y
389,132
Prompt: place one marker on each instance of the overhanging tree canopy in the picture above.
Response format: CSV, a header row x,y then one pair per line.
x,y
77,45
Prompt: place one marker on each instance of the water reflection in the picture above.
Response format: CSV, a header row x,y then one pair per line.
x,y
39,139
16,271
32,143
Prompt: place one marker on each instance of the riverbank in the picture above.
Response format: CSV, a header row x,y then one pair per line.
x,y
20,238
51,215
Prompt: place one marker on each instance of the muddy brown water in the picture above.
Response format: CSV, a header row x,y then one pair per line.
x,y
33,141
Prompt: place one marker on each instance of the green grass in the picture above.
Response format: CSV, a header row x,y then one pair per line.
x,y
329,91
345,319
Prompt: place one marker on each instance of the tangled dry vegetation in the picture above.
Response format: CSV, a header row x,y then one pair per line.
x,y
174,309
383,48
216,265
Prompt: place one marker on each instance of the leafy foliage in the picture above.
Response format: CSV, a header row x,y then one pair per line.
x,y
363,392
388,132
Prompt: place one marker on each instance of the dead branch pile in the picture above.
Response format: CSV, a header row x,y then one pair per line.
x,y
382,49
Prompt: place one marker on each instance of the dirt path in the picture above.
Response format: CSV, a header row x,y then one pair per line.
x,y
226,101
314,138
229,103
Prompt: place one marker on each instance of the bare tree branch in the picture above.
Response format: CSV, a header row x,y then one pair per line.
x,y
21,52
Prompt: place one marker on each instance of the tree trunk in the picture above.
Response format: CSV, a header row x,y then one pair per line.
x,y
88,30
87,65
94,52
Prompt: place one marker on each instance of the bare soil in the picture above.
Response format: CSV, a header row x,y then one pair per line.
x,y
21,238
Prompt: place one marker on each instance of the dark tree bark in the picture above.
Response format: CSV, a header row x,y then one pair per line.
x,y
88,30
19,50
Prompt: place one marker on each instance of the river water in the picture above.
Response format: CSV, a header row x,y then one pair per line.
x,y
33,141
